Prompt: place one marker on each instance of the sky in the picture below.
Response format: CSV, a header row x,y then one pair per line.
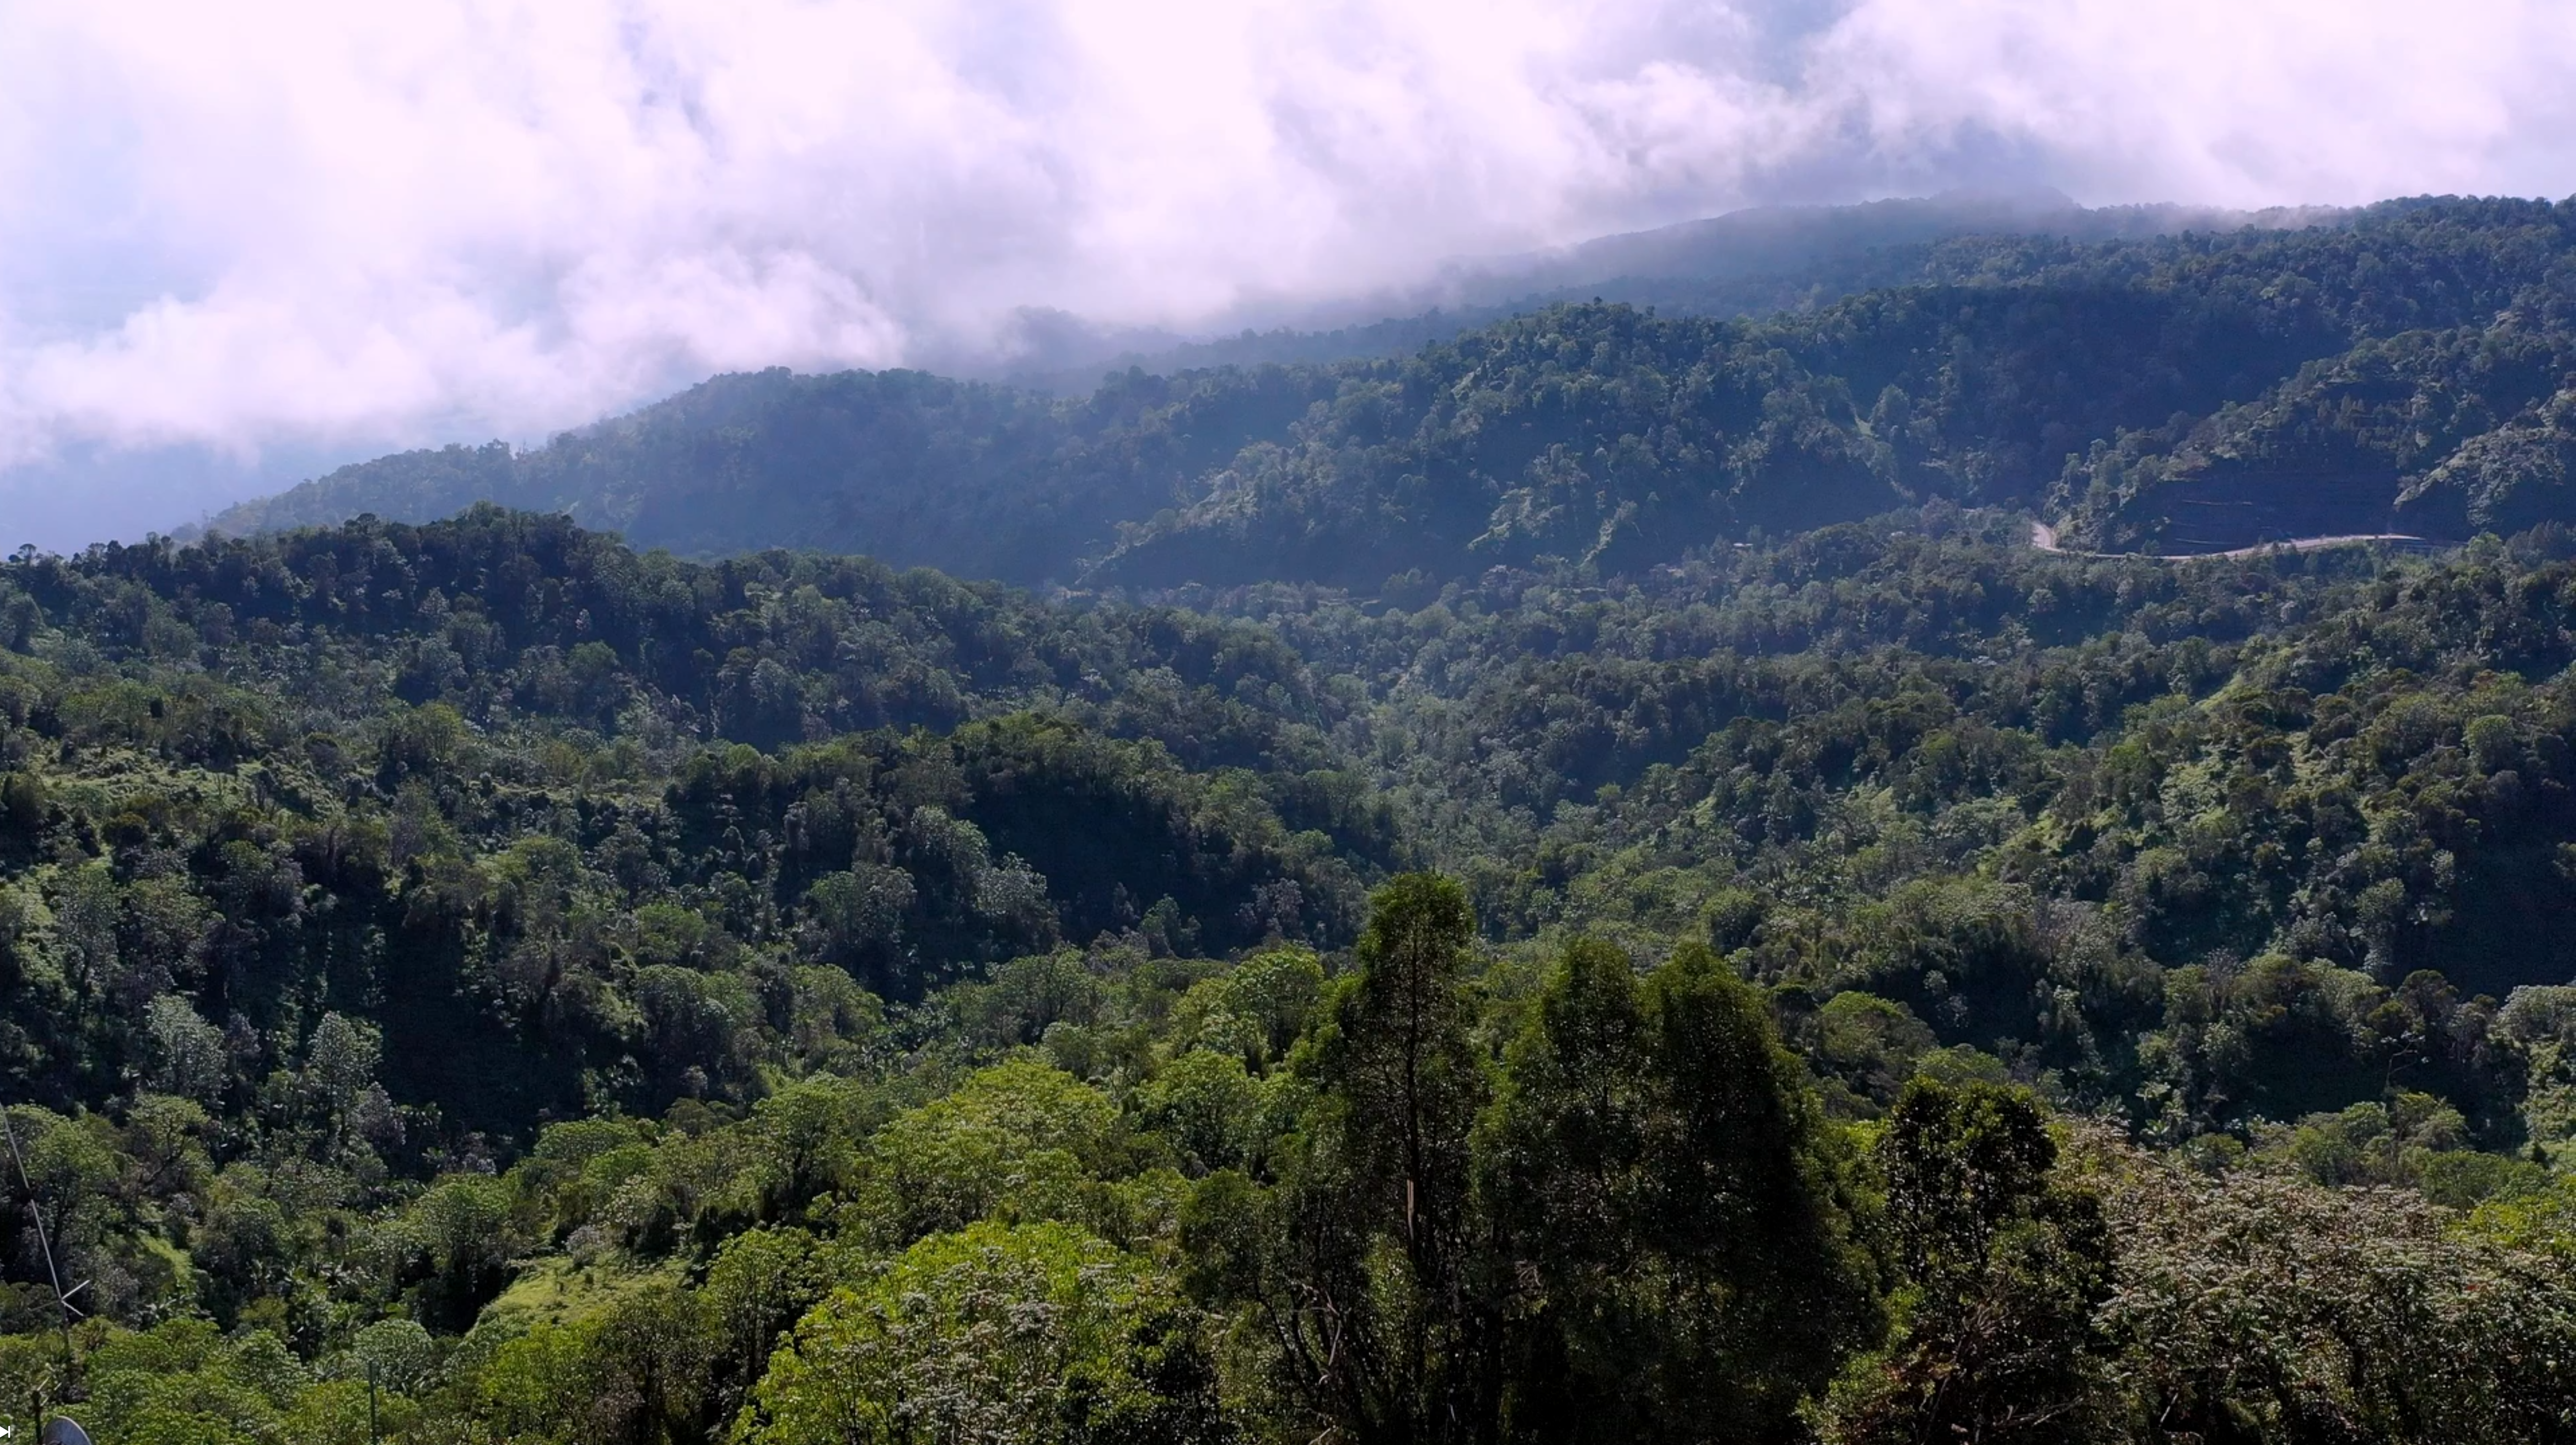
x,y
241,243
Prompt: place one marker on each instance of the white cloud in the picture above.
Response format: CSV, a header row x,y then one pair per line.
x,y
295,224
2226,101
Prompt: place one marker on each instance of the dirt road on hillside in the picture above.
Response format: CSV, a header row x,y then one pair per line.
x,y
2044,537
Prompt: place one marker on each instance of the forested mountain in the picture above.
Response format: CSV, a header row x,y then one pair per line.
x,y
917,469
1744,263
2406,369
1883,983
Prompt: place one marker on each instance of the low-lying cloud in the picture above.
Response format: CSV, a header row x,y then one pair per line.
x,y
287,227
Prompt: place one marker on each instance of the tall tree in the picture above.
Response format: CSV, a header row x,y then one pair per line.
x,y
1377,1300
1679,1268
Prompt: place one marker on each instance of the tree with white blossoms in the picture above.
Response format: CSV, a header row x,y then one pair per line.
x,y
994,1335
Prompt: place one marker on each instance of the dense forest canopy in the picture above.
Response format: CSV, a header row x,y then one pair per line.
x,y
1872,982
2404,368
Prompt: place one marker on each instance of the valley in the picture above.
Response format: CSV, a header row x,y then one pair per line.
x,y
1621,873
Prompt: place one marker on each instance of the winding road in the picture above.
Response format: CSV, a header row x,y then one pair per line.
x,y
2044,537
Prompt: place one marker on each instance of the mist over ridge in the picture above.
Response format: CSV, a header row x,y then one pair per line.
x,y
1753,261
298,232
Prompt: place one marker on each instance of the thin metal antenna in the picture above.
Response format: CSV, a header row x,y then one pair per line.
x,y
53,1273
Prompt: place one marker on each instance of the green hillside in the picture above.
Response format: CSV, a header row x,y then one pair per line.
x,y
1882,983
980,480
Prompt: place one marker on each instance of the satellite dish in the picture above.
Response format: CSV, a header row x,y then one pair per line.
x,y
61,1431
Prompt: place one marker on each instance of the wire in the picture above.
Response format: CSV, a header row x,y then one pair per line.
x,y
53,1274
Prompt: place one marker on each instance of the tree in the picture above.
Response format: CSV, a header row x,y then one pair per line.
x,y
458,1236
1209,1108
1679,1265
760,1283
995,1335
2002,1264
2259,1305
1379,1302
1018,1141
187,1052
645,1370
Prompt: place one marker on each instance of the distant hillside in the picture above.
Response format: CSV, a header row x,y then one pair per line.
x,y
1823,245
2444,420
916,469
1752,262
2410,368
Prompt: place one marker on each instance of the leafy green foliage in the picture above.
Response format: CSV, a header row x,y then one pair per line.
x,y
1375,1300
1667,1204
2004,1266
1879,983
2274,1308
995,1333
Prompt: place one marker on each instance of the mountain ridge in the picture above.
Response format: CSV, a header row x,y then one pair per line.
x,y
1746,262
2200,392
